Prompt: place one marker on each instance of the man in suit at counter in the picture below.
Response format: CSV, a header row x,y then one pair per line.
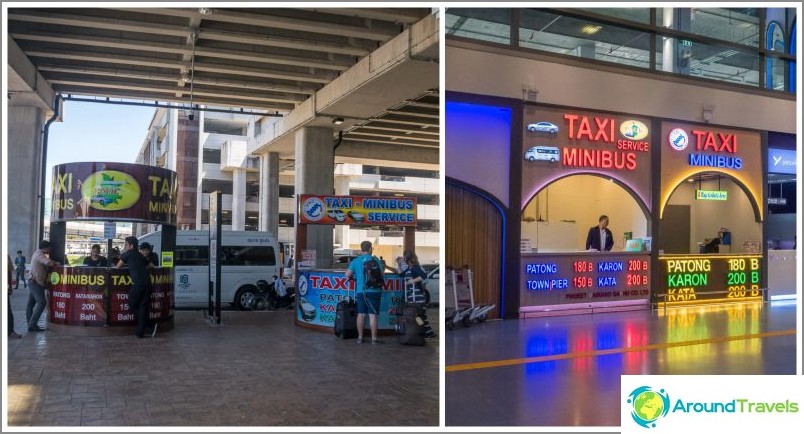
x,y
600,237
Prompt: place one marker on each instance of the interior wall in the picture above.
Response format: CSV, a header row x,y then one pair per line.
x,y
598,88
708,216
581,199
781,226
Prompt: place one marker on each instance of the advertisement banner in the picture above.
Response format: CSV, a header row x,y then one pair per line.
x,y
711,403
113,192
357,210
77,296
781,161
320,291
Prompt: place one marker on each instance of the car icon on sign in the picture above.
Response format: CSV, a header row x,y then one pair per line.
x,y
337,214
545,127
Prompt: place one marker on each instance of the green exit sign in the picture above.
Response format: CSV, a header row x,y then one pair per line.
x,y
686,43
711,195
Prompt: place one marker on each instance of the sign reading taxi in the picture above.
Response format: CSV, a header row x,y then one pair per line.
x,y
357,210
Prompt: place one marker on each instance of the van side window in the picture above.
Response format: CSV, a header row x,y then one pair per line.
x,y
192,255
248,255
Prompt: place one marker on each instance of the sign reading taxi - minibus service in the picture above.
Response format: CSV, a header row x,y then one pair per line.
x,y
357,210
114,192
689,279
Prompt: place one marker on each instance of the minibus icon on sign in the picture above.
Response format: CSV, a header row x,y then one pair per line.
x,y
544,153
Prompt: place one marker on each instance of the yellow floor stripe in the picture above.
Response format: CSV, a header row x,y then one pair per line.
x,y
525,360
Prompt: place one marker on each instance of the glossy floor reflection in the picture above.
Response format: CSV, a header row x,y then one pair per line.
x,y
565,371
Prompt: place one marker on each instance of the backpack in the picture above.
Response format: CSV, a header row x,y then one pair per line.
x,y
373,273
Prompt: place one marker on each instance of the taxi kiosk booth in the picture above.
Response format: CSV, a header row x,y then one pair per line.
x,y
318,291
94,300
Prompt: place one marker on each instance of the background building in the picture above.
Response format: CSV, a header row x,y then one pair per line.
x,y
209,154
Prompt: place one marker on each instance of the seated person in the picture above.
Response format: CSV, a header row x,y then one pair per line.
x,y
147,250
95,259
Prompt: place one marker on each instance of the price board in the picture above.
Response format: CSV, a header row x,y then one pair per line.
x,y
548,279
705,278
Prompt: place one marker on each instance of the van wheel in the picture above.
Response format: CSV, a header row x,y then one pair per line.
x,y
245,297
552,160
531,158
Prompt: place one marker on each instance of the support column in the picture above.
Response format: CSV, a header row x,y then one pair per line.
x,y
315,168
269,193
239,200
342,231
25,125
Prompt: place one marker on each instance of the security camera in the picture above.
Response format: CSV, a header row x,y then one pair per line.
x,y
191,116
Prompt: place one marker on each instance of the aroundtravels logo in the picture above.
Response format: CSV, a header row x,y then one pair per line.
x,y
678,139
648,405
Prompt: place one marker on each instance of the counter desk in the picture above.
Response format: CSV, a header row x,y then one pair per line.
x,y
318,292
94,300
583,281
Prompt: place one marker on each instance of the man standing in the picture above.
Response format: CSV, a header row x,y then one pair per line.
x,y
19,265
146,249
40,262
600,237
138,294
95,259
11,333
368,273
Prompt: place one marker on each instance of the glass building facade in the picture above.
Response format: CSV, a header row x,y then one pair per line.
x,y
751,47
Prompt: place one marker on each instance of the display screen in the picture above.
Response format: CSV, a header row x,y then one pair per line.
x,y
584,277
691,279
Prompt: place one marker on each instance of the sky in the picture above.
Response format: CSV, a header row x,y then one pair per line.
x,y
96,132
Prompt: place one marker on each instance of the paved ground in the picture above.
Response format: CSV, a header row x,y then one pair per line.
x,y
258,369
565,371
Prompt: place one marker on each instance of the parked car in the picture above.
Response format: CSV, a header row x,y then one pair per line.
x,y
545,127
432,283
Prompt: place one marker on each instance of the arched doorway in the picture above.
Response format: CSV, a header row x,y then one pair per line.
x,y
474,237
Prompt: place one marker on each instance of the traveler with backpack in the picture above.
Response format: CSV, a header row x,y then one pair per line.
x,y
369,274
414,277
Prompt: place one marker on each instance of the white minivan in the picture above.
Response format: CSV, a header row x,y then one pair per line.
x,y
549,153
248,256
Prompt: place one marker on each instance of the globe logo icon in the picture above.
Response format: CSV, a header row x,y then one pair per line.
x,y
678,139
648,405
313,208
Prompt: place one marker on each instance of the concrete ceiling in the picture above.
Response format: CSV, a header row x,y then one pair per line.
x,y
375,68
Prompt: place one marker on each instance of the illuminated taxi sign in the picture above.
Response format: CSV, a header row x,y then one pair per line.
x,y
711,195
712,149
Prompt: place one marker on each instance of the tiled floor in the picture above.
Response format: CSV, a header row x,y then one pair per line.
x,y
563,388
258,369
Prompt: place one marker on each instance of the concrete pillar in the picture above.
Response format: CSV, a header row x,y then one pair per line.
x,y
315,168
239,200
25,125
668,44
342,232
269,193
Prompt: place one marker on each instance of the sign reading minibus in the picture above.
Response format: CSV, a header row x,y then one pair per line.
x,y
357,210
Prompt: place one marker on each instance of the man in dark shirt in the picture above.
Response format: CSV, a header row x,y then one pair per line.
x,y
147,251
138,295
95,259
600,237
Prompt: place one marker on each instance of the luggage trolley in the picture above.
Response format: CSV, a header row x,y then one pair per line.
x,y
460,294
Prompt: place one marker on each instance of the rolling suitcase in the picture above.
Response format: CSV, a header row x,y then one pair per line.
x,y
410,324
346,319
